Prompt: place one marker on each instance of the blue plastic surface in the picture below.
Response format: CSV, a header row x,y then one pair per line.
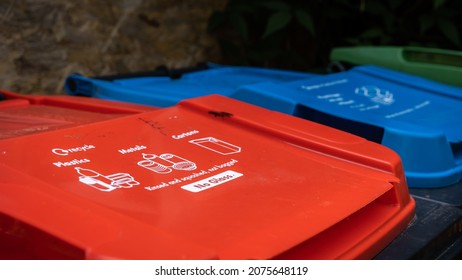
x,y
165,91
420,119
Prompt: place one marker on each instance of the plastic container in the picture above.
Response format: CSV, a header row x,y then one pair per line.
x,y
420,121
163,89
262,185
27,114
437,64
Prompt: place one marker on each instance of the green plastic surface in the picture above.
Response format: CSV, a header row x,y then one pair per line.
x,y
437,64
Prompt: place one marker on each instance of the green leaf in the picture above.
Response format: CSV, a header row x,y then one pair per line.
x,y
438,3
305,20
238,22
449,29
277,22
426,21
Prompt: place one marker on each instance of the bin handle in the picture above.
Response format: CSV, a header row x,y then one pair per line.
x,y
427,56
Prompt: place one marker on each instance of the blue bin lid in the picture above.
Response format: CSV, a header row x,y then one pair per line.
x,y
419,119
166,91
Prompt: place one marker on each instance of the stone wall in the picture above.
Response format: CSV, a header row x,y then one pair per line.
x,y
43,41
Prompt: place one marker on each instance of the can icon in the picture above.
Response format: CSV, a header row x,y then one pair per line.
x,y
164,163
179,163
152,165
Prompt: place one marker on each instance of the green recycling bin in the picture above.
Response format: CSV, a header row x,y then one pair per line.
x,y
437,64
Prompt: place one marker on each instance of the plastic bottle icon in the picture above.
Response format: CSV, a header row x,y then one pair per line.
x,y
105,183
95,180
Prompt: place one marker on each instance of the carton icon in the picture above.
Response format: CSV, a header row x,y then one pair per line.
x,y
216,145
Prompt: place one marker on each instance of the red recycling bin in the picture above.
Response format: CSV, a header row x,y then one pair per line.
x,y
209,178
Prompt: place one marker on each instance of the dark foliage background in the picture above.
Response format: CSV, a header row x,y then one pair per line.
x,y
300,34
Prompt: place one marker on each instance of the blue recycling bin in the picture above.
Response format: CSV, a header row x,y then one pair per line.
x,y
420,119
161,89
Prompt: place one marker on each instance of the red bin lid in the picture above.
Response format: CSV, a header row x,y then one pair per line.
x,y
209,178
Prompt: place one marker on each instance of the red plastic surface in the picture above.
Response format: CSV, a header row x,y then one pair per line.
x,y
210,178
29,114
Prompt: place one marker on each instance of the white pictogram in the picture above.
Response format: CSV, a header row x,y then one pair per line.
x,y
216,145
376,94
165,163
105,183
